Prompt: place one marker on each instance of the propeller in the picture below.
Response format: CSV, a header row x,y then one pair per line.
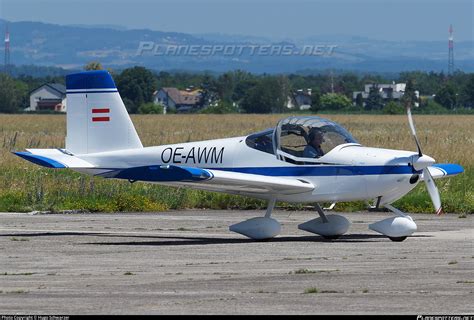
x,y
422,163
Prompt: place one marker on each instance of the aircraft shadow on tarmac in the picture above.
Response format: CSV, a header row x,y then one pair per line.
x,y
190,240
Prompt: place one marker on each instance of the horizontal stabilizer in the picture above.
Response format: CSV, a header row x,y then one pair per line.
x,y
53,158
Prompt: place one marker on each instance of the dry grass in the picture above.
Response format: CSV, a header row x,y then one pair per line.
x,y
448,139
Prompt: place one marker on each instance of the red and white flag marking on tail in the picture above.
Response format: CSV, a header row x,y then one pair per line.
x,y
100,114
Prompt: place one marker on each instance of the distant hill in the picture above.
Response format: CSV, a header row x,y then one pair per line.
x,y
38,71
71,47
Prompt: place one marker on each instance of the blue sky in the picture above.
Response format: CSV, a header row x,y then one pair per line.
x,y
386,20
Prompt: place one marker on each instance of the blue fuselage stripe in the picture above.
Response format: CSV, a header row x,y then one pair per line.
x,y
322,170
300,171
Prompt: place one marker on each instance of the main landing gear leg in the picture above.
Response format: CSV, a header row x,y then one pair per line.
x,y
396,228
329,226
261,227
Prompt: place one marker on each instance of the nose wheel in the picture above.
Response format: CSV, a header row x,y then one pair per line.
x,y
397,239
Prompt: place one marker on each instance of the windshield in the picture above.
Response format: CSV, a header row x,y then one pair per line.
x,y
308,137
262,141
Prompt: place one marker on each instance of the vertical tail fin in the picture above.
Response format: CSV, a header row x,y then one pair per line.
x,y
97,120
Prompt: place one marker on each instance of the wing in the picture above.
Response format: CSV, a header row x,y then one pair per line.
x,y
443,170
213,180
206,179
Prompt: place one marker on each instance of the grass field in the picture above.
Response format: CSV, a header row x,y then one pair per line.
x,y
26,187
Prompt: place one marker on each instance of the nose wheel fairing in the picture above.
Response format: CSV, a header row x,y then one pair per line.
x,y
397,228
329,226
334,226
258,228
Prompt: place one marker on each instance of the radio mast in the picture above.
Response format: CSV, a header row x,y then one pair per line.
x,y
7,51
451,52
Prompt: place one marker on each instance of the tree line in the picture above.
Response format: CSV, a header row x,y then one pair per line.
x,y
241,91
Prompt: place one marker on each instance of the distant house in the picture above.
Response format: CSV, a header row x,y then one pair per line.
x,y
181,100
300,100
49,96
394,91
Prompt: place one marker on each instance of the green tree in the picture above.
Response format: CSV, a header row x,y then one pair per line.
x,y
426,83
431,107
93,65
359,101
12,94
446,96
335,101
374,100
348,83
409,97
151,108
269,95
136,84
129,105
225,86
208,90
393,107
467,96
222,107
258,100
242,88
315,100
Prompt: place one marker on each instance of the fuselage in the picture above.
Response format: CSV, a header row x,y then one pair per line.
x,y
348,172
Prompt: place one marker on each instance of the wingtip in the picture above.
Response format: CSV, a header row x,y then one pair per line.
x,y
39,160
20,152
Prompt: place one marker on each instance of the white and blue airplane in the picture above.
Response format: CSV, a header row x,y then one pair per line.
x,y
276,164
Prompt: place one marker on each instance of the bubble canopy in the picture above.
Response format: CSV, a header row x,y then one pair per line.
x,y
308,137
301,139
